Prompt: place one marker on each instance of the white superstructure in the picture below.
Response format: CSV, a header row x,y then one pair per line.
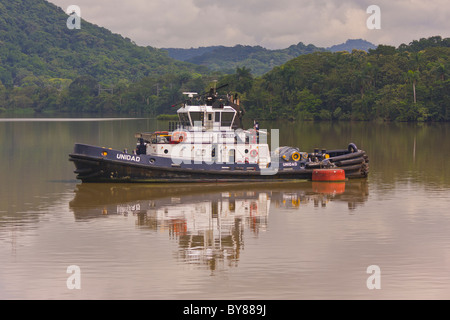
x,y
209,133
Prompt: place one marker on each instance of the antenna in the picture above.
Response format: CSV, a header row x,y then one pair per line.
x,y
190,94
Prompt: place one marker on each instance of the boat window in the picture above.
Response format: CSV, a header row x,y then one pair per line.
x,y
227,119
196,116
162,139
184,119
217,116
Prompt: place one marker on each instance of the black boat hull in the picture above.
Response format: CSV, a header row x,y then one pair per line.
x,y
96,164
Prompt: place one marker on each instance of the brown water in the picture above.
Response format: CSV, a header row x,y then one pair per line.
x,y
225,241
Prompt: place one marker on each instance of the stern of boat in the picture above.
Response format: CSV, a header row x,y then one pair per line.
x,y
354,161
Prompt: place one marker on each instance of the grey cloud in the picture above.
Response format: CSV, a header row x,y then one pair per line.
x,y
269,23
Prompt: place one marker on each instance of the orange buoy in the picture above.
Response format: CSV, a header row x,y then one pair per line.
x,y
328,175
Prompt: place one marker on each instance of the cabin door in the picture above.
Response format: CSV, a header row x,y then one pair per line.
x,y
209,121
231,156
217,119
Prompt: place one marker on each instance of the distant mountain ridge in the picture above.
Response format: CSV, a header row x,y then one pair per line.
x,y
259,59
36,46
186,54
350,44
47,68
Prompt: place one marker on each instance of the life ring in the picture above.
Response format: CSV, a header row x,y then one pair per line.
x,y
295,156
179,136
254,153
352,147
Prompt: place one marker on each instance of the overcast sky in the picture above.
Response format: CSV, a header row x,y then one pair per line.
x,y
273,24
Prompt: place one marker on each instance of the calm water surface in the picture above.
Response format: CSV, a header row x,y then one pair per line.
x,y
225,241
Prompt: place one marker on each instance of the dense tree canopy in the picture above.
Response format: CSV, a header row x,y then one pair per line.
x,y
40,57
46,67
260,60
411,83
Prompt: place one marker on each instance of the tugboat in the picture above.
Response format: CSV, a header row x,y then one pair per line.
x,y
209,144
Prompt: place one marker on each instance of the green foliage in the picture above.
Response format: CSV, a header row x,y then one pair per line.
x,y
35,38
167,117
308,106
45,67
260,60
424,43
386,83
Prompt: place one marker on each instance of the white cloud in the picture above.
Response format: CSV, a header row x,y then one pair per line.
x,y
269,23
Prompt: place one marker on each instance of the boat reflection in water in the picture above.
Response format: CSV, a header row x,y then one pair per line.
x,y
207,220
321,193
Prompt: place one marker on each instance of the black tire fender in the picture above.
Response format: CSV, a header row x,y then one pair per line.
x,y
352,147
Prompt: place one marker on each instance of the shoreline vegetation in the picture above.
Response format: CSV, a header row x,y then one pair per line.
x,y
45,68
409,83
172,117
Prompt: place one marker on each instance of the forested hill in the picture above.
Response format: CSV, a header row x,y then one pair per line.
x,y
37,47
408,83
226,59
260,60
46,67
351,44
183,54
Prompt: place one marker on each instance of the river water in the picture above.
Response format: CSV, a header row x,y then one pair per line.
x,y
386,237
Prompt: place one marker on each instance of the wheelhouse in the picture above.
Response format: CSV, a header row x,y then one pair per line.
x,y
207,117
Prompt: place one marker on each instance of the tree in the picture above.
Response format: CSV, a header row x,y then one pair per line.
x,y
440,69
308,106
413,77
244,79
383,50
81,92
